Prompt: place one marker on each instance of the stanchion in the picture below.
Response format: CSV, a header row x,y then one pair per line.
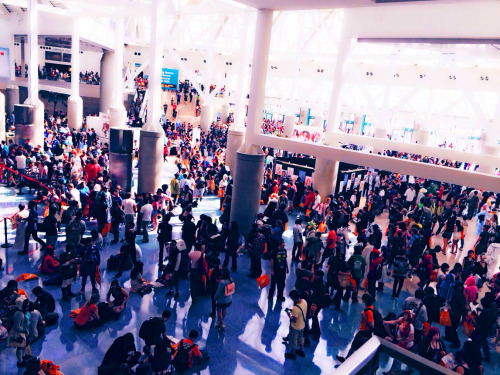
x,y
6,244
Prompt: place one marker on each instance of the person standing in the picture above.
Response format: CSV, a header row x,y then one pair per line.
x,y
129,206
297,325
146,213
298,240
417,305
256,249
164,236
279,270
31,228
20,329
234,244
400,271
175,188
223,296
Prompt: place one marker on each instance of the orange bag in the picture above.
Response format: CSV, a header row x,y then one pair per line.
x,y
444,318
74,313
212,185
21,292
286,226
322,227
261,201
427,325
86,211
301,205
27,276
263,281
365,283
222,209
308,212
220,193
265,247
106,229
46,211
49,367
468,326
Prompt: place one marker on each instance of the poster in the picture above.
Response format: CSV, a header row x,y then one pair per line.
x,y
277,170
103,130
169,79
348,186
308,181
302,176
290,171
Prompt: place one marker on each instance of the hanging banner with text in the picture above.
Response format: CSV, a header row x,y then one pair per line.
x,y
169,79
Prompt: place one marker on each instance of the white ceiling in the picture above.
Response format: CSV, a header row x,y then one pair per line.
x,y
332,4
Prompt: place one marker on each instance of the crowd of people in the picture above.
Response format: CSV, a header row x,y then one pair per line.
x,y
54,74
429,224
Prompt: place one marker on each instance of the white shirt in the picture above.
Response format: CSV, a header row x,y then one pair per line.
x,y
75,195
146,212
21,161
410,194
128,206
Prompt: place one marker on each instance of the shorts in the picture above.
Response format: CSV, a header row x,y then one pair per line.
x,y
296,337
447,235
223,305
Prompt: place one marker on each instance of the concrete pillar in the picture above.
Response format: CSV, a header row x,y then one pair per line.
x,y
488,146
243,74
117,109
380,133
37,134
107,81
152,137
235,139
2,117
288,126
11,98
260,63
75,112
150,166
75,102
247,186
117,117
224,113
325,176
33,49
120,157
303,116
343,51
206,117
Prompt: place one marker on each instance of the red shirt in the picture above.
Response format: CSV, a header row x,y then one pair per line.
x,y
85,313
91,171
330,239
309,199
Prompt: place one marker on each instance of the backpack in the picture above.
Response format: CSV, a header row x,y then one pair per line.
x,y
417,247
100,200
357,268
378,323
148,328
90,255
401,267
184,264
181,359
74,228
422,271
200,183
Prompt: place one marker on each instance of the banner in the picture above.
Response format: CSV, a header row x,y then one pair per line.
x,y
169,79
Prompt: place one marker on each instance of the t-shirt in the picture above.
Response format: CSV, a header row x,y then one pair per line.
x,y
330,239
300,315
21,161
369,317
85,313
146,212
128,206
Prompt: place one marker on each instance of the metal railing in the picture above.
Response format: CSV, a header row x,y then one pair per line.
x,y
366,359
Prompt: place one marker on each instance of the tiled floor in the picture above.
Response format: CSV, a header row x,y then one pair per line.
x,y
251,343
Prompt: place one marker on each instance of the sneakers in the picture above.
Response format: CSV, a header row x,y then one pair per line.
x,y
170,293
290,356
176,295
281,299
340,359
301,353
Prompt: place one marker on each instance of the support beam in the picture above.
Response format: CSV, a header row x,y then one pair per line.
x,y
117,112
75,102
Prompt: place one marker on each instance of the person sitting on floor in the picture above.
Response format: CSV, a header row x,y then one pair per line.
x,y
50,265
88,317
194,354
120,297
138,284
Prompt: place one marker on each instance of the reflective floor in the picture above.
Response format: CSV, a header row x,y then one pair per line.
x,y
255,325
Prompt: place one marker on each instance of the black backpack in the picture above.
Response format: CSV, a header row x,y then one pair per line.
x,y
181,359
378,323
148,328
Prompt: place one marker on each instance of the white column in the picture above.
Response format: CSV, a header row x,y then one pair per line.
x,y
75,102
380,133
357,125
117,112
259,72
288,126
224,113
2,117
38,108
236,132
488,145
206,117
325,176
107,81
343,51
152,137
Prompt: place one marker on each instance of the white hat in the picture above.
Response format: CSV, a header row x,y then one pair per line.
x,y
181,245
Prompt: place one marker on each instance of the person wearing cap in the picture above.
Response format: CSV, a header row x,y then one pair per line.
x,y
279,270
297,317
